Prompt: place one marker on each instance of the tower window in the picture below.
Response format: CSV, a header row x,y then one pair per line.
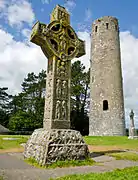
x,y
107,25
96,28
105,105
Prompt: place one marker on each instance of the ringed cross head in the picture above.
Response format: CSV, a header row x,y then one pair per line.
x,y
58,38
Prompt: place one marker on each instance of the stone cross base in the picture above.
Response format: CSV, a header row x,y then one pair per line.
x,y
48,146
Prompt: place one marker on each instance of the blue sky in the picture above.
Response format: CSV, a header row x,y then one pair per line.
x,y
83,12
18,56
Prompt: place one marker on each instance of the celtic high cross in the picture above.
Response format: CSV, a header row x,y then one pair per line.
x,y
60,45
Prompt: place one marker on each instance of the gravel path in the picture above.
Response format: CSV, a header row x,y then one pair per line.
x,y
14,168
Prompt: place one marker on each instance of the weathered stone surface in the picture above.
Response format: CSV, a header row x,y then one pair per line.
x,y
107,102
3,130
60,44
47,146
132,130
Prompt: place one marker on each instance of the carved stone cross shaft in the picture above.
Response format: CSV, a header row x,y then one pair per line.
x,y
60,45
131,118
132,131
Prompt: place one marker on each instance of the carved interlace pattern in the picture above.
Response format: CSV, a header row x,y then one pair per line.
x,y
50,146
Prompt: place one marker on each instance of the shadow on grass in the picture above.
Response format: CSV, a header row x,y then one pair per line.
x,y
97,154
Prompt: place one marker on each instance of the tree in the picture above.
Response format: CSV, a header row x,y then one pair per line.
x,y
21,120
79,95
4,106
30,102
28,106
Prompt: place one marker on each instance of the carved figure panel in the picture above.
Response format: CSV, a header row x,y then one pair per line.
x,y
62,70
58,88
64,89
63,42
58,110
64,110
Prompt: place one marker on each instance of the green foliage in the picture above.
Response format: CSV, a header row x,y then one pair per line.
x,y
4,97
8,144
125,155
28,106
4,106
119,141
125,174
1,178
61,164
26,109
4,117
21,120
79,86
79,97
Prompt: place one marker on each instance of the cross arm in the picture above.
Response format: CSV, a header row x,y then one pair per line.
x,y
81,48
39,35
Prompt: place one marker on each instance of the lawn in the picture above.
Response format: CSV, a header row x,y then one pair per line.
x,y
125,174
120,142
99,143
125,155
12,144
60,164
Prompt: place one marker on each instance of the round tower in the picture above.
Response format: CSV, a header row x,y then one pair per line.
x,y
107,102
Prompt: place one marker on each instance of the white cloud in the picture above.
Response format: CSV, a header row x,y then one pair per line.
x,y
85,36
26,33
2,4
129,54
46,1
70,5
17,12
88,15
5,40
85,25
20,12
17,59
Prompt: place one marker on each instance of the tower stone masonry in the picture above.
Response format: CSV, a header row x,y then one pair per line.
x,y
107,101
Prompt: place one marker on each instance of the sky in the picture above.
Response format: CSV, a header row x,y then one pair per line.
x,y
18,56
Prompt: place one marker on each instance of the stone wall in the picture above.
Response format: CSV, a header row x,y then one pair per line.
x,y
106,80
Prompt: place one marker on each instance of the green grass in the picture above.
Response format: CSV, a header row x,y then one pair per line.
x,y
119,141
61,164
9,144
125,174
1,178
125,155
